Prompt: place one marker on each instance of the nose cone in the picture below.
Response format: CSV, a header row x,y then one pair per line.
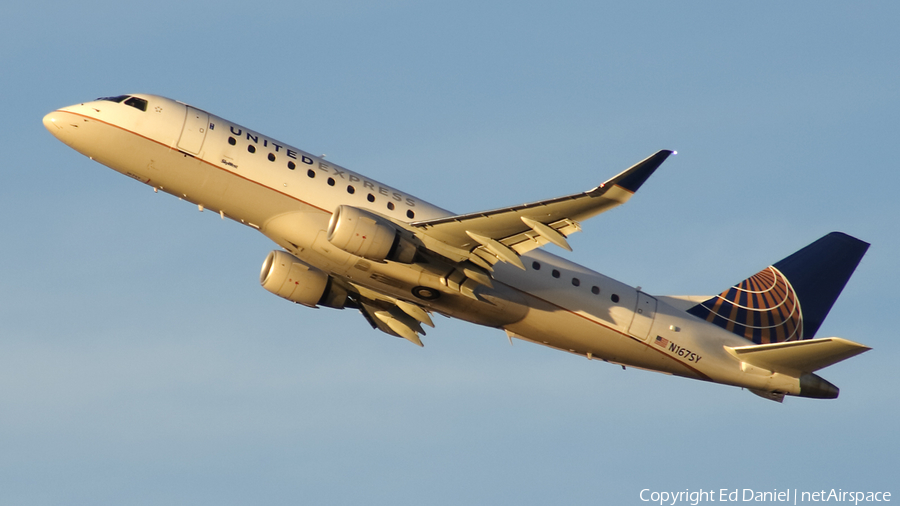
x,y
55,123
60,124
51,123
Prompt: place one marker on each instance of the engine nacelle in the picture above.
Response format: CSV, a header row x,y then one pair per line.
x,y
368,235
286,276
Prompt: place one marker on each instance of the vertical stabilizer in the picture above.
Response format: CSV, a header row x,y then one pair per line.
x,y
819,273
787,301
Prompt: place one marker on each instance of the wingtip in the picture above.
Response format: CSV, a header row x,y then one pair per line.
x,y
633,178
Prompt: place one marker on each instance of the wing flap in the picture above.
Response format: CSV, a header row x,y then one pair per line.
x,y
528,226
392,316
548,233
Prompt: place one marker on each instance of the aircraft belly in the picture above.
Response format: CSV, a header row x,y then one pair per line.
x,y
582,333
495,307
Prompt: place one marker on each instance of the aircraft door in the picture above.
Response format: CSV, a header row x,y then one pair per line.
x,y
194,131
644,313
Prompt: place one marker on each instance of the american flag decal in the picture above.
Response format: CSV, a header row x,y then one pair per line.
x,y
662,341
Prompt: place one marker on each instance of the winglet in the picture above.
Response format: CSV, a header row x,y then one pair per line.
x,y
631,179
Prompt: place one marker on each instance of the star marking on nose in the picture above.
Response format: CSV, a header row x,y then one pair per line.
x,y
158,109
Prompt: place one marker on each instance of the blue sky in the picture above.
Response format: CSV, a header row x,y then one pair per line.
x,y
140,362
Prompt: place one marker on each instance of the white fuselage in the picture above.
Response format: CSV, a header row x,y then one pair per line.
x,y
289,195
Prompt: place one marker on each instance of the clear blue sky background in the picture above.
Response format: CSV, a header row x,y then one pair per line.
x,y
141,363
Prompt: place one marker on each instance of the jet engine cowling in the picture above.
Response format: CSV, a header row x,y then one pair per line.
x,y
289,277
368,235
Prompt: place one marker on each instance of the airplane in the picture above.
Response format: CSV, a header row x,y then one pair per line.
x,y
350,242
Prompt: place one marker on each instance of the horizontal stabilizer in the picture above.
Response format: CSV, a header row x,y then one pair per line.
x,y
794,357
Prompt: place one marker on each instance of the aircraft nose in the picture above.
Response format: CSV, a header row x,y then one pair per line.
x,y
51,123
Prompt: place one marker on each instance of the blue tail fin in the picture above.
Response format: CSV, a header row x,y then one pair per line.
x,y
789,300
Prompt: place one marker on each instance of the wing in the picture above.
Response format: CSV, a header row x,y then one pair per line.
x,y
503,234
391,315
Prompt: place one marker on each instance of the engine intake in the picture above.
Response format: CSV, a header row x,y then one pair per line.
x,y
368,235
289,277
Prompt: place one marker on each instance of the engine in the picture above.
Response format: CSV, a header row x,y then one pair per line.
x,y
286,276
368,235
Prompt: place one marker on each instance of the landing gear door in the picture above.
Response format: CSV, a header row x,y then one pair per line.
x,y
643,316
194,131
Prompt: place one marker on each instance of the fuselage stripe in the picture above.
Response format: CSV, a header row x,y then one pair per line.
x,y
617,331
195,157
171,148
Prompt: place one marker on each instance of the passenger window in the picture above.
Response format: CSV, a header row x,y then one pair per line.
x,y
576,282
331,181
536,265
251,148
614,298
137,103
391,206
232,141
410,214
292,165
271,157
555,273
350,189
311,173
370,198
595,290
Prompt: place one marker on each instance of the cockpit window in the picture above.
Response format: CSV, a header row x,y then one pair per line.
x,y
137,103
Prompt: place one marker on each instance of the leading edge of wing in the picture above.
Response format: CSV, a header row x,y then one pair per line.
x,y
630,180
502,223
